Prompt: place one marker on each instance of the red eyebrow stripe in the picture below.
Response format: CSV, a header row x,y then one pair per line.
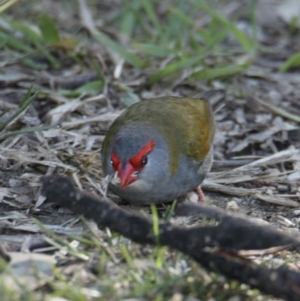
x,y
115,160
135,161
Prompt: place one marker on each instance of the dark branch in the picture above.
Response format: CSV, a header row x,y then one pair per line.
x,y
211,246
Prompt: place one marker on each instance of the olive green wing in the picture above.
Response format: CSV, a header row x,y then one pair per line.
x,y
199,128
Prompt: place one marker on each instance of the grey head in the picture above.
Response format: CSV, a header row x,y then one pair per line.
x,y
139,155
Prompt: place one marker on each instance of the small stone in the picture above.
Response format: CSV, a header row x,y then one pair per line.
x,y
192,197
192,299
294,187
282,188
293,266
235,298
176,297
15,183
294,176
292,231
232,206
296,212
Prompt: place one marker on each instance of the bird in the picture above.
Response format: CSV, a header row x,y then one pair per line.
x,y
160,149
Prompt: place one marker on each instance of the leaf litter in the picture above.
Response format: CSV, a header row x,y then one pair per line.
x,y
260,122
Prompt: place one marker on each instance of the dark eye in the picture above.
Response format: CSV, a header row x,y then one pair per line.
x,y
114,161
114,164
144,160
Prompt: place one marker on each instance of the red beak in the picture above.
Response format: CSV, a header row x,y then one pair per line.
x,y
125,171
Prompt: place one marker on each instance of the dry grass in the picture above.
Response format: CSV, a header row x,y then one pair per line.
x,y
98,58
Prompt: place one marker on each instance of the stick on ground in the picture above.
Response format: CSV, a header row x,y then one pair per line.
x,y
214,247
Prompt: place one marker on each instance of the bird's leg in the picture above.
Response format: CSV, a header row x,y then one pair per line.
x,y
201,197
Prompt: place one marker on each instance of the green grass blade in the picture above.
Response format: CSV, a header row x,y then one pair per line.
x,y
155,220
148,6
3,40
174,67
182,16
212,73
134,7
292,61
26,30
7,4
4,112
127,23
61,242
26,131
94,87
36,40
155,50
126,254
109,43
16,44
183,63
48,29
27,100
245,42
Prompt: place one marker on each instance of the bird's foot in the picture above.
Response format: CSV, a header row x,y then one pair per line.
x,y
201,197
